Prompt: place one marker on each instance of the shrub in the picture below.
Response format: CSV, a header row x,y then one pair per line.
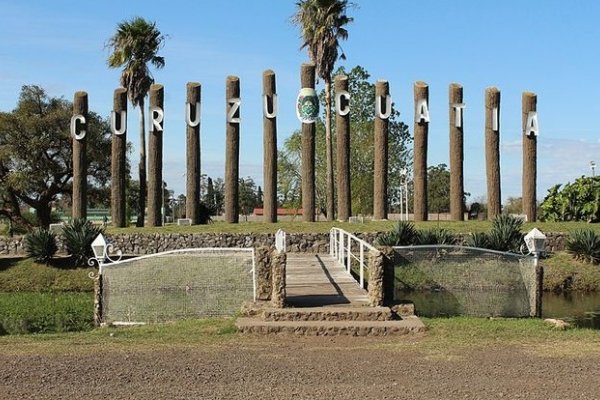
x,y
435,236
478,239
506,233
584,245
403,234
79,235
41,245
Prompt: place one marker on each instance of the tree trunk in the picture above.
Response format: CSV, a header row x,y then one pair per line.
x,y
307,80
270,148
193,174
156,201
457,212
80,107
342,127
118,161
142,168
421,92
492,151
529,103
380,153
232,156
329,152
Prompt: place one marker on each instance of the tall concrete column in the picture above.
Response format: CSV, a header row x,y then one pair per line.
x,y
232,150
383,111
342,127
421,131
192,135
155,156
78,132
455,100
492,151
529,117
307,80
118,198
270,146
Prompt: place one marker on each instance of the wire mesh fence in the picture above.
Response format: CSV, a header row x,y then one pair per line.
x,y
456,280
177,285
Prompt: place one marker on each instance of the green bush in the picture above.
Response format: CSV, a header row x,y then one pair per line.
x,y
584,245
79,235
434,236
41,245
505,234
45,312
478,239
403,234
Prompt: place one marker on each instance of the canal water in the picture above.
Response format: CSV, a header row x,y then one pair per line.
x,y
580,309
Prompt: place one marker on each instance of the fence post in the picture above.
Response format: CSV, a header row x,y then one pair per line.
x,y
348,254
97,299
539,290
362,265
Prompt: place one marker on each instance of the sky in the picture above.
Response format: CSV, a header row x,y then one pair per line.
x,y
549,47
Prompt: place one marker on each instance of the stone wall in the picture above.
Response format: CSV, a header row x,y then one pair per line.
x,y
140,244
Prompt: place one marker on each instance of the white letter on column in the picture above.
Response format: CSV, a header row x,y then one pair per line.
x,y
156,118
273,113
113,122
495,119
458,114
388,107
338,103
235,105
188,115
74,120
532,124
422,114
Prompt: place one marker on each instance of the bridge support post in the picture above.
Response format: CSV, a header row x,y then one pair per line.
x,y
278,269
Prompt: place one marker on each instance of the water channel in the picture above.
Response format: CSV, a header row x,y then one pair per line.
x,y
578,308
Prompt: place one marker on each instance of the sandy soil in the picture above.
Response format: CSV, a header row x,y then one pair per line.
x,y
300,368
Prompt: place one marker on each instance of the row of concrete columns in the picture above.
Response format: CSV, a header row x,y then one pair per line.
x,y
383,110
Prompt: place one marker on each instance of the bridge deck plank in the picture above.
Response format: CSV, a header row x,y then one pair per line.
x,y
315,280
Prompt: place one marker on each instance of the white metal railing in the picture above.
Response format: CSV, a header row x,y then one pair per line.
x,y
280,240
346,247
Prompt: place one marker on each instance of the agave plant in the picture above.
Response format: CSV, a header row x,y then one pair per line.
x,y
478,239
79,235
435,236
506,233
41,245
584,245
403,234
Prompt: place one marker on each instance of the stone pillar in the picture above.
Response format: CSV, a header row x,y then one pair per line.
x,y
421,131
307,80
79,126
98,306
539,291
389,277
529,117
192,134
263,273
376,281
155,156
383,110
232,150
118,123
492,151
270,146
342,127
278,270
455,99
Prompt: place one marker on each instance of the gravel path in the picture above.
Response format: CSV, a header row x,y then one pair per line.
x,y
300,368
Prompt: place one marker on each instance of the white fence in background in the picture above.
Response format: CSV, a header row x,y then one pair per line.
x,y
349,251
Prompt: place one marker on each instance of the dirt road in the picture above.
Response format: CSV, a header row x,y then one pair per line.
x,y
300,368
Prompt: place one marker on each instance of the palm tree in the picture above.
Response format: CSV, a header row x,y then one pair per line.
x,y
322,24
134,45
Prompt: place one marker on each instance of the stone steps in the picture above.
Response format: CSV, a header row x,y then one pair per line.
x,y
408,325
328,314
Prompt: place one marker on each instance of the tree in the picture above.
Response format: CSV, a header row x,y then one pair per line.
x,y
438,189
248,198
135,45
36,164
514,205
362,115
577,201
322,24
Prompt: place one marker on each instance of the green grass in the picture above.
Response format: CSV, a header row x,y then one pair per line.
x,y
24,275
45,312
562,271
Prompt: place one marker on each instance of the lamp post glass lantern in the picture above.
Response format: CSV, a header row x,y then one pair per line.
x,y
536,243
101,249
